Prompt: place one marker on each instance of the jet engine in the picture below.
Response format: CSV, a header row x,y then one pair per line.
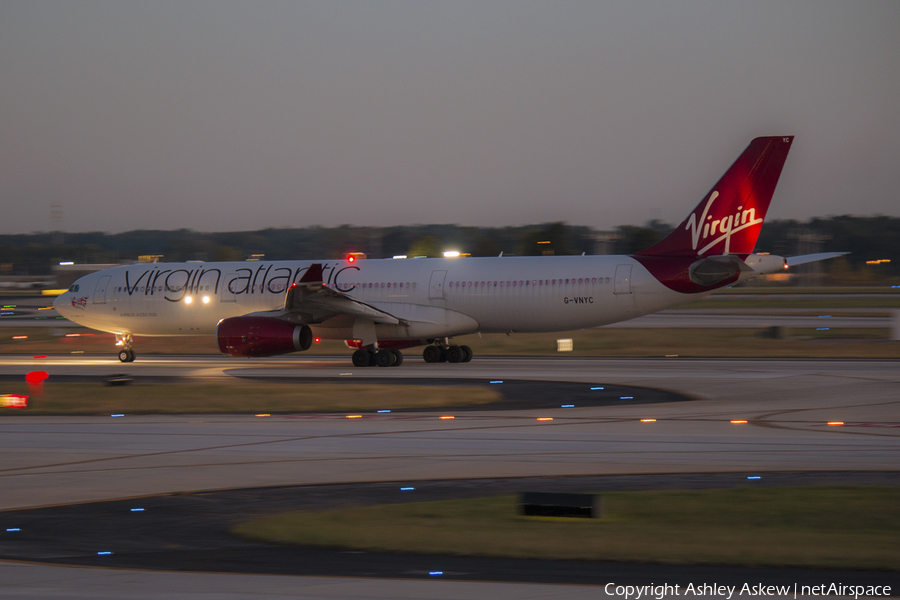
x,y
261,336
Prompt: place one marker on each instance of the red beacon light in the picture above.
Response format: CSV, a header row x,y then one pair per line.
x,y
352,257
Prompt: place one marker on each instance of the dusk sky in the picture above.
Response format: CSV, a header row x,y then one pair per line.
x,y
216,115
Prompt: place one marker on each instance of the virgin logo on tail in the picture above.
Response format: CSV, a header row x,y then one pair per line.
x,y
726,226
726,221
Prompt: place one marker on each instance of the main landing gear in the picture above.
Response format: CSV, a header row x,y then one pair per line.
x,y
453,354
366,357
126,353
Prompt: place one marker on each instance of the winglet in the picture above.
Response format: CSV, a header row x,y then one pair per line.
x,y
313,274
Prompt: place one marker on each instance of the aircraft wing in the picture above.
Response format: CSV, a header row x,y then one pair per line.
x,y
311,301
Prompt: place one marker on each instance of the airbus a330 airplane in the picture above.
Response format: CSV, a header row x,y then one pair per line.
x,y
382,306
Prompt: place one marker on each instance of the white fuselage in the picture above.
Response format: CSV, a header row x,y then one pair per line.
x,y
434,297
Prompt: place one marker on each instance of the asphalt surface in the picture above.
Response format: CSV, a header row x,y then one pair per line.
x,y
172,466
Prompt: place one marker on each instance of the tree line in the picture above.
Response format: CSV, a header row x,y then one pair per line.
x,y
866,238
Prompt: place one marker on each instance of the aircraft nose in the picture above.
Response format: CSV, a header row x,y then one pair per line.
x,y
60,302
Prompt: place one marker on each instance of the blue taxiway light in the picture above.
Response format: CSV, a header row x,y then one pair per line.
x,y
498,381
118,415
407,489
568,406
626,397
137,510
824,316
435,572
754,477
105,553
11,529
384,411
596,388
822,328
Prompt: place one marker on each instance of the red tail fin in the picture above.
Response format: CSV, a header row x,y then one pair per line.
x,y
729,218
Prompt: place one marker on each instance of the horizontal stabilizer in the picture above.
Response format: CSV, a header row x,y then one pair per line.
x,y
793,261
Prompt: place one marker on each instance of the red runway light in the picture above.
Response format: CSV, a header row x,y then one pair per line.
x,y
318,340
40,357
36,376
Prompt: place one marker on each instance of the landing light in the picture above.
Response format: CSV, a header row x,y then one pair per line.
x,y
205,299
399,256
451,254
648,420
188,299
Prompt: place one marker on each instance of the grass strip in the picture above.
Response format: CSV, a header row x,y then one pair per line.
x,y
777,302
613,342
852,527
238,397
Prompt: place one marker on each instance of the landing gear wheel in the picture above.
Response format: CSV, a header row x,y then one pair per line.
x,y
384,358
360,358
398,358
443,357
126,355
431,354
455,354
468,353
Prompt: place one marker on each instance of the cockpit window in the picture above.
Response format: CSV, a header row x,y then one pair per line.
x,y
74,288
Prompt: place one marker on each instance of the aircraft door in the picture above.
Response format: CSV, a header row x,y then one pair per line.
x,y
100,290
228,287
623,280
436,287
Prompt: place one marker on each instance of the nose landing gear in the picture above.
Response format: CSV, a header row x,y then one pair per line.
x,y
126,353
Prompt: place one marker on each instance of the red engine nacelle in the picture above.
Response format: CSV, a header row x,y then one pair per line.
x,y
261,336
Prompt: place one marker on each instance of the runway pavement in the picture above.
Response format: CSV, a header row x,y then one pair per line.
x,y
786,403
